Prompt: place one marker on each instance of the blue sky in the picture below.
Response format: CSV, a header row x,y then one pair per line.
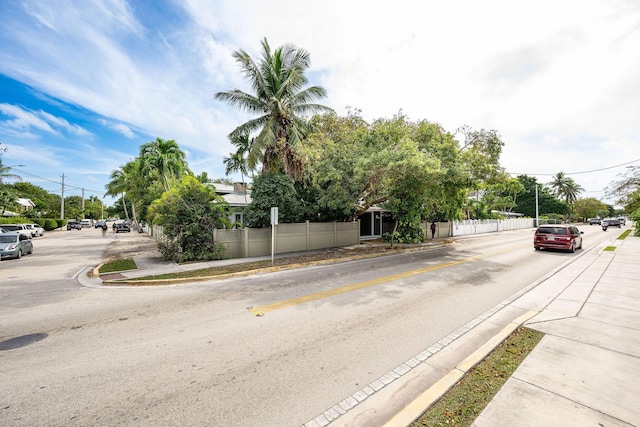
x,y
83,83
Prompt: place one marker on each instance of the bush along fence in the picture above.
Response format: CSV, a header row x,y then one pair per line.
x,y
297,237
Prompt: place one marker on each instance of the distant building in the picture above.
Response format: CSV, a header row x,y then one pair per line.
x,y
238,196
24,205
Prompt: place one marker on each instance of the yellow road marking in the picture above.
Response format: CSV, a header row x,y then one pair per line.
x,y
361,285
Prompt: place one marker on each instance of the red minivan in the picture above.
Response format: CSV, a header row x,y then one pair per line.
x,y
564,237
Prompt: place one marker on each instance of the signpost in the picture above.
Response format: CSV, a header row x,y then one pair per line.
x,y
274,222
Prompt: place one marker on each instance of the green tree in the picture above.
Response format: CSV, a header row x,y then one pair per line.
x,y
565,188
8,200
163,157
502,195
588,208
73,207
548,203
118,186
281,99
273,190
189,213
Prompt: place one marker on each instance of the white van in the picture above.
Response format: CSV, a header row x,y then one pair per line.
x,y
86,223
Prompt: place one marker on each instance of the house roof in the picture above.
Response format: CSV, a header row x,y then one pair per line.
x,y
236,199
27,203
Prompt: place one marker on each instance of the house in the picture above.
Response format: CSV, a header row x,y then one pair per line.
x,y
238,196
23,205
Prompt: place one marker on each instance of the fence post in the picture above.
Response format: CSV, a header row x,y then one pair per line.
x,y
245,246
307,235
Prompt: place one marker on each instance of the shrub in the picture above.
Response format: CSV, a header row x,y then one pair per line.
x,y
50,224
636,217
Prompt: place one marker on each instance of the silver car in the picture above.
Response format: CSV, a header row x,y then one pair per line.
x,y
14,245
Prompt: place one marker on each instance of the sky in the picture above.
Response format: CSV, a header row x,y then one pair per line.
x,y
84,83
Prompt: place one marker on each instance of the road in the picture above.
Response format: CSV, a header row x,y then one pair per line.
x,y
273,349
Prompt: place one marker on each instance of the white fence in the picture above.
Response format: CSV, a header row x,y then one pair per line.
x,y
480,226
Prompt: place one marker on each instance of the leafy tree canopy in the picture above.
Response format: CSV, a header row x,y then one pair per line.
x,y
273,190
189,213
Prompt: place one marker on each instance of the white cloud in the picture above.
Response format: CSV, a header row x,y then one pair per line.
x,y
558,80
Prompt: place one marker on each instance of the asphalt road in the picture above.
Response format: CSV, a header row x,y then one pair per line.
x,y
272,349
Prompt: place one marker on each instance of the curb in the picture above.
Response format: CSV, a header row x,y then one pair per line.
x,y
422,403
163,282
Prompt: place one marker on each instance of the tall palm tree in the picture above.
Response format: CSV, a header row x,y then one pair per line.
x,y
118,187
565,188
281,100
235,163
5,172
164,157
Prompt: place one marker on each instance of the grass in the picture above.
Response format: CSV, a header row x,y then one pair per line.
x,y
118,265
624,234
610,248
461,405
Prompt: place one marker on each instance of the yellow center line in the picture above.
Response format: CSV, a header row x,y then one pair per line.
x,y
361,285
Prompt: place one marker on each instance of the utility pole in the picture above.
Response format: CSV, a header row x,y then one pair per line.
x,y
62,200
83,215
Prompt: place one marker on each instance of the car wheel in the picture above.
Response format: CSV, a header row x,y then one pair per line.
x,y
30,251
537,248
573,248
19,255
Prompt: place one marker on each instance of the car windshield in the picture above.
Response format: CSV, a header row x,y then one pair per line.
x,y
552,230
8,239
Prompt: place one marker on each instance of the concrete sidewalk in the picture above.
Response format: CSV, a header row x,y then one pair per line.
x,y
586,369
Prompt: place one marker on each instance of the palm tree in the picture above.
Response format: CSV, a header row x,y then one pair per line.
x,y
565,188
118,186
5,173
235,163
7,200
165,157
281,99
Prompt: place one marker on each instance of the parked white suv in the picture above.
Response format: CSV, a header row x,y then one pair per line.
x,y
20,228
36,230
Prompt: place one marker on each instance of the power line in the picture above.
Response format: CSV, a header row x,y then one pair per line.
x,y
60,183
578,173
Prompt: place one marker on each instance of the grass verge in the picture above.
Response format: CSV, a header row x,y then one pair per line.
x,y
118,265
461,405
624,234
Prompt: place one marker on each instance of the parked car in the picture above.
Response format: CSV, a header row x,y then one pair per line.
x,y
122,227
86,223
99,224
74,225
14,245
595,221
564,237
36,230
19,228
